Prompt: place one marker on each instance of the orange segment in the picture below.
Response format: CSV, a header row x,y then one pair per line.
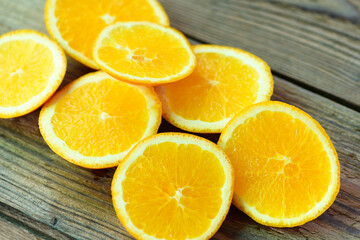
x,y
225,81
173,186
32,68
286,168
96,120
75,24
144,53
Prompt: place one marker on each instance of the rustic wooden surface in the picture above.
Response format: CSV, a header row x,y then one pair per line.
x,y
313,48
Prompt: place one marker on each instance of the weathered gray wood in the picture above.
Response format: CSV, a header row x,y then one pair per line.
x,y
67,200
315,43
38,183
7,229
16,225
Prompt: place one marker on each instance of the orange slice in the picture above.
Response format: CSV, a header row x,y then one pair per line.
x,y
173,186
225,81
94,121
286,168
75,24
31,69
144,53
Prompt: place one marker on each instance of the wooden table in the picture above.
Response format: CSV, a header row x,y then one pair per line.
x,y
313,48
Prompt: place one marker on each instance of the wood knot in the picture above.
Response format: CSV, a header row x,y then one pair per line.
x,y
54,221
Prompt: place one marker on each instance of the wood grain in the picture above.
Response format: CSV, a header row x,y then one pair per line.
x,y
313,43
16,225
7,229
42,185
44,196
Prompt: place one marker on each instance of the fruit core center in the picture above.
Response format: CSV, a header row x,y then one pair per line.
x,y
104,116
178,194
213,82
283,165
139,54
107,18
19,71
138,58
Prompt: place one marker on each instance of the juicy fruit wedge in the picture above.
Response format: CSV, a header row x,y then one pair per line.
x,y
286,168
173,186
94,121
225,81
31,69
75,24
144,53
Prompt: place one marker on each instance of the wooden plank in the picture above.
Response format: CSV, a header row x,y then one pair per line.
x,y
7,229
35,181
314,43
76,202
16,225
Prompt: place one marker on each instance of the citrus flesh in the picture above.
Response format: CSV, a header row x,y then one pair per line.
x,y
225,81
32,68
173,186
95,120
75,24
144,53
286,168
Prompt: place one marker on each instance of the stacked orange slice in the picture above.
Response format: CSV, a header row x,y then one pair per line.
x,y
95,120
32,68
225,81
75,24
144,53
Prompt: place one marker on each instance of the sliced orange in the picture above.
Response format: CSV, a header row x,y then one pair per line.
x,y
173,186
286,168
144,53
31,69
75,24
225,81
94,121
